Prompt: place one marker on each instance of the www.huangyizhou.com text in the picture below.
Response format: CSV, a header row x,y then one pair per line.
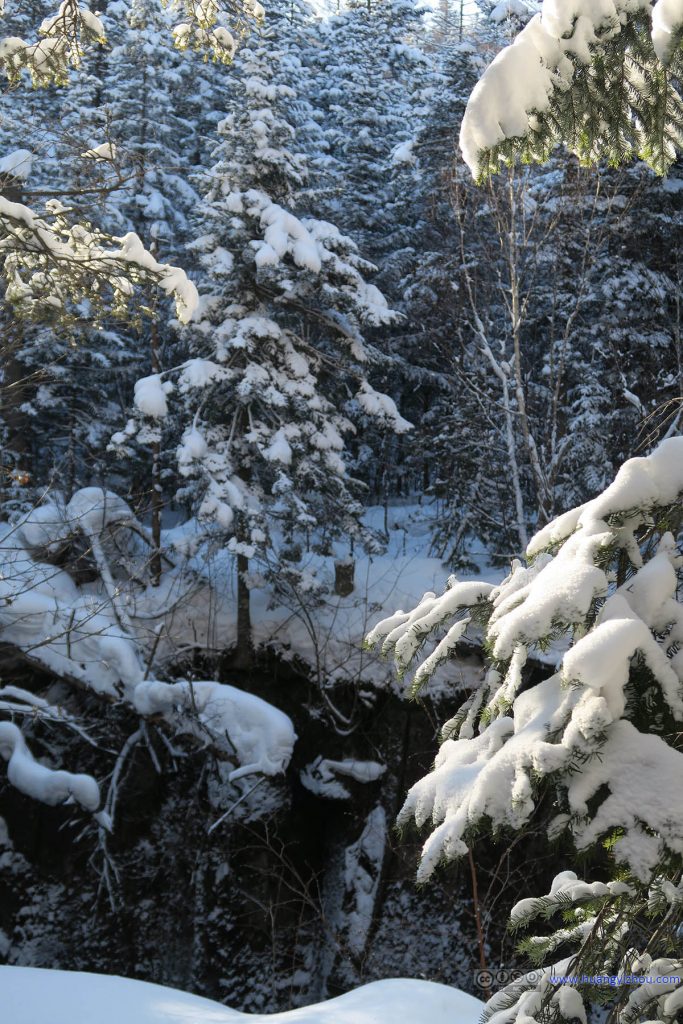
x,y
614,979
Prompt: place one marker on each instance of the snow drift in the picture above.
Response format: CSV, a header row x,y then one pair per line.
x,y
30,995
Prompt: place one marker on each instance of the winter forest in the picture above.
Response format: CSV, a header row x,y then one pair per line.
x,y
341,512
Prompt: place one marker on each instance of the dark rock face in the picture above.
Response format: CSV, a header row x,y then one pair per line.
x,y
296,895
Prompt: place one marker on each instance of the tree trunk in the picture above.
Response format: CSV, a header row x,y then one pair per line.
x,y
244,652
14,376
516,326
344,571
157,493
157,506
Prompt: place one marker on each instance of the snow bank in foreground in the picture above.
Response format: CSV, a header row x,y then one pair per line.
x,y
32,996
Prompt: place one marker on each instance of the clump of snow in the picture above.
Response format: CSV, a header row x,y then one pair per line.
x,y
382,408
404,153
279,449
197,373
172,280
510,9
93,509
261,736
566,886
223,42
639,484
667,23
645,798
17,164
192,448
322,776
375,307
49,786
45,526
105,151
284,235
65,21
150,396
71,631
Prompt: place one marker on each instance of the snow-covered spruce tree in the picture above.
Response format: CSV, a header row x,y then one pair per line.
x,y
371,85
279,361
120,161
144,110
604,78
598,737
373,74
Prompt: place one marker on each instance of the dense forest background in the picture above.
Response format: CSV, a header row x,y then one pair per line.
x,y
390,366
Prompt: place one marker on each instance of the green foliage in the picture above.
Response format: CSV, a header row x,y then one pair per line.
x,y
64,39
625,104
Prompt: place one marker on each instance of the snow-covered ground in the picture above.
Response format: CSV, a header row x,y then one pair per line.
x,y
325,632
103,632
29,995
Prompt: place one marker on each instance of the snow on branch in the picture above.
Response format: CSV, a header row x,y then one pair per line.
x,y
14,700
51,264
595,921
667,27
64,38
173,281
570,75
604,584
405,633
261,736
566,886
49,786
205,26
382,408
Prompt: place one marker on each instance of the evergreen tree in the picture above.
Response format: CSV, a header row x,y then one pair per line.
x,y
594,742
145,89
372,98
278,356
603,79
